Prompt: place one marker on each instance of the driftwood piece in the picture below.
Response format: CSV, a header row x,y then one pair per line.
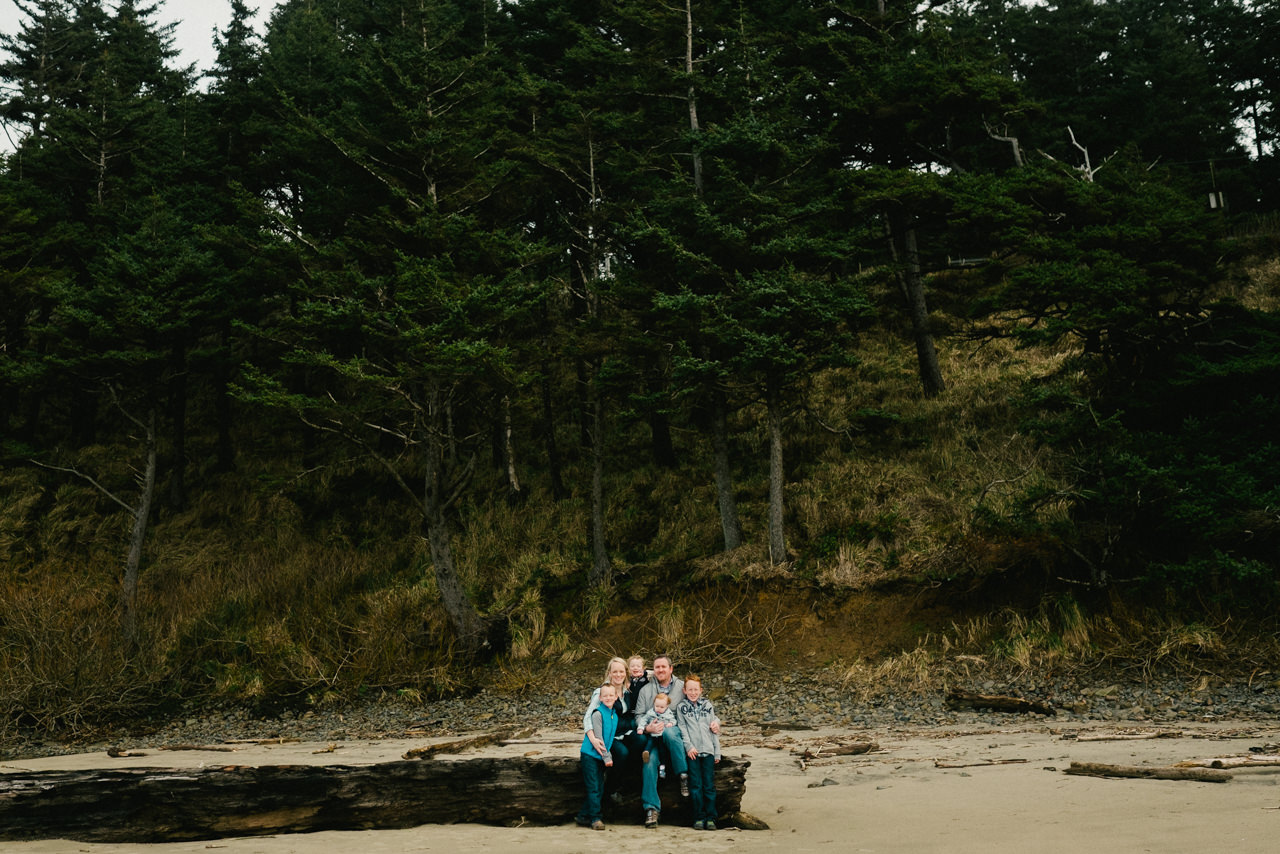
x,y
1128,736
1254,761
1200,775
939,763
167,804
212,748
461,745
957,698
856,748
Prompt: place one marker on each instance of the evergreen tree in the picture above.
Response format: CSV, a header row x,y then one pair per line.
x,y
104,161
412,274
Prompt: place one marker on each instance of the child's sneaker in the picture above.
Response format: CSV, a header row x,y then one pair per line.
x,y
684,785
708,825
699,825
662,772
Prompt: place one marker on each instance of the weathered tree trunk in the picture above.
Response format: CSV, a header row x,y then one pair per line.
x,y
729,523
693,98
1199,775
913,292
166,804
178,428
438,496
226,458
777,538
664,450
138,536
558,491
601,566
514,493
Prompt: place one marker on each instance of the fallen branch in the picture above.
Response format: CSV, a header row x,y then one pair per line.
x,y
1094,769
969,700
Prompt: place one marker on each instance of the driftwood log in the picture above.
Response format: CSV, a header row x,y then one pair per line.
x,y
166,804
1253,761
958,699
1199,775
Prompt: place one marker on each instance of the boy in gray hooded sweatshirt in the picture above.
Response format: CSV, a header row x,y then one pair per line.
x,y
695,714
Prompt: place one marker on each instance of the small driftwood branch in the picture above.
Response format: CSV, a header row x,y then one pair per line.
x,y
1128,736
1199,775
982,764
957,698
121,753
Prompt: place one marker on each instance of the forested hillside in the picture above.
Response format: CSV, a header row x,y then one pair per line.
x,y
422,336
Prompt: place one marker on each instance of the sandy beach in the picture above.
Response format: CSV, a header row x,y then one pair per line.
x,y
980,788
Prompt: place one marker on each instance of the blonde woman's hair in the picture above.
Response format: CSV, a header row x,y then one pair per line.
x,y
609,667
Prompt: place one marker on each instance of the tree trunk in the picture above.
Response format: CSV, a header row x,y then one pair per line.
x,y
601,566
558,491
913,290
146,805
777,541
693,100
664,452
729,523
178,427
514,494
138,536
438,497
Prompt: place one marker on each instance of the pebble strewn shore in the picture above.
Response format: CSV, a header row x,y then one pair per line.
x,y
786,700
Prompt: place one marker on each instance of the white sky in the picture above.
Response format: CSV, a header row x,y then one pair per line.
x,y
197,20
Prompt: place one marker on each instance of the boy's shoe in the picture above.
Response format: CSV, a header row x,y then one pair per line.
x,y
644,757
597,825
684,785
699,825
651,819
662,772
708,825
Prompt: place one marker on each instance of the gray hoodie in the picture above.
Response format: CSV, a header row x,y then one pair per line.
x,y
695,726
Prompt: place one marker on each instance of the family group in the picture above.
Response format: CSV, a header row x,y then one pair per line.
x,y
664,722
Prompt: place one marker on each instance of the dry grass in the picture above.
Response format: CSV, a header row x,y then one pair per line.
x,y
1059,639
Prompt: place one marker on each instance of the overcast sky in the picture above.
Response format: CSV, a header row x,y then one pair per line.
x,y
197,20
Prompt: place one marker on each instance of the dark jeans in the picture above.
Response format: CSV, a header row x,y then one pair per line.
x,y
702,787
616,775
593,780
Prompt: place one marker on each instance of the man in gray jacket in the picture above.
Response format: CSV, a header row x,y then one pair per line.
x,y
664,681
